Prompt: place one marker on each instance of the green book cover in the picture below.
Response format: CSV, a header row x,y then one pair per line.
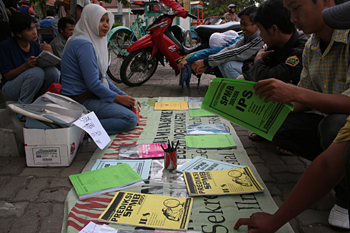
x,y
104,180
235,100
210,141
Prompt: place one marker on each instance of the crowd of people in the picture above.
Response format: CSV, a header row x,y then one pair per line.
x,y
273,51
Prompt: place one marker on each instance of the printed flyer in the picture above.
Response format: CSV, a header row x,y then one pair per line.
x,y
222,182
148,210
142,151
235,100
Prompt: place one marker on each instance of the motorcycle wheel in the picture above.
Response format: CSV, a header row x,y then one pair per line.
x,y
138,67
118,44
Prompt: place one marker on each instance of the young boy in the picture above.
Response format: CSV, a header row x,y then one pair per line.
x,y
322,174
21,79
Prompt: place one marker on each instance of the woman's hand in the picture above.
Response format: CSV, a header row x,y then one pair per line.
x,y
125,100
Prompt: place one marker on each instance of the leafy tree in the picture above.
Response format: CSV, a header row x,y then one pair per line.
x,y
220,7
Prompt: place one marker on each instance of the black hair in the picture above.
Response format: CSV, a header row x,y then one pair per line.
x,y
19,22
248,11
50,12
62,23
273,12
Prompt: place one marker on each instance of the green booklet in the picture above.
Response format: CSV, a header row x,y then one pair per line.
x,y
210,141
235,100
104,180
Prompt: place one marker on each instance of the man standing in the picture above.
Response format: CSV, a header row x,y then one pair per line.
x,y
76,7
230,59
231,15
66,28
321,99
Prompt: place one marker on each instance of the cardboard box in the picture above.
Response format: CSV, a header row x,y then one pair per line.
x,y
51,147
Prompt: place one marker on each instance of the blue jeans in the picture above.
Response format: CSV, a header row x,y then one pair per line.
x,y
30,84
231,69
115,118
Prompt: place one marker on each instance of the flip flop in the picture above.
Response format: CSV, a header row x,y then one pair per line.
x,y
254,137
283,151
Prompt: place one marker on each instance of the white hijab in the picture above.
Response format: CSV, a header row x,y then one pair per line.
x,y
87,28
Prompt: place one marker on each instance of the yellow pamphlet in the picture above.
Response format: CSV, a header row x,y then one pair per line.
x,y
171,106
222,182
148,210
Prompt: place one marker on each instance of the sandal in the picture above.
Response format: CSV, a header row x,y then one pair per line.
x,y
281,151
254,137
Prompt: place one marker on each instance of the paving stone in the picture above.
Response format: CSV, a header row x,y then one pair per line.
x,y
323,228
4,180
42,171
30,220
252,151
246,142
292,159
286,189
311,217
55,195
5,224
4,161
32,190
13,165
12,208
287,177
273,189
295,168
10,189
74,168
255,159
59,182
270,158
53,222
264,173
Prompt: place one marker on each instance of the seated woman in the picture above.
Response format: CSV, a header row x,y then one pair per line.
x,y
84,65
22,79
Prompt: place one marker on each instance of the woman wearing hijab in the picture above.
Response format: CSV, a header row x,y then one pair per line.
x,y
84,66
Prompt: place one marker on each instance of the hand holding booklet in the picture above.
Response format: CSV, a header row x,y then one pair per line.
x,y
47,59
235,100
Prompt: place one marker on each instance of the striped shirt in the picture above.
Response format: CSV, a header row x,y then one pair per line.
x,y
328,72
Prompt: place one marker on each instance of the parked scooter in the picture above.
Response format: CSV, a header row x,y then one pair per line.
x,y
164,40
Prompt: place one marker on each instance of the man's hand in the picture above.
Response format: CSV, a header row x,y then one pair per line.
x,y
259,223
199,67
276,90
46,47
31,62
125,100
263,54
182,64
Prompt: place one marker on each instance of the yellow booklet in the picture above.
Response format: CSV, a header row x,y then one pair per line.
x,y
148,210
222,182
171,106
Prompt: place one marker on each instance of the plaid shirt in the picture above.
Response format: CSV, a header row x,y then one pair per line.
x,y
328,72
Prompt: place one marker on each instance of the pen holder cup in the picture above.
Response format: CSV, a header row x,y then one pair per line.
x,y
170,160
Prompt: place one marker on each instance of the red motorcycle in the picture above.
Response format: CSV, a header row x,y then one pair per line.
x,y
164,40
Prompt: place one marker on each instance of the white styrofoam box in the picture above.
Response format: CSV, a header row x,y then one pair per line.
x,y
51,147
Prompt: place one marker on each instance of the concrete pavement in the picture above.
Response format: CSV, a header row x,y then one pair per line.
x,y
32,199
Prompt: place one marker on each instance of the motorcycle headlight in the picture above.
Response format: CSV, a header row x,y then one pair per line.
x,y
166,9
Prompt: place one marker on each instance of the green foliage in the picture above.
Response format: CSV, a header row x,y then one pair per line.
x,y
117,24
220,7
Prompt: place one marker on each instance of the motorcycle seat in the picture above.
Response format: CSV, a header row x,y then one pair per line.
x,y
210,29
138,11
